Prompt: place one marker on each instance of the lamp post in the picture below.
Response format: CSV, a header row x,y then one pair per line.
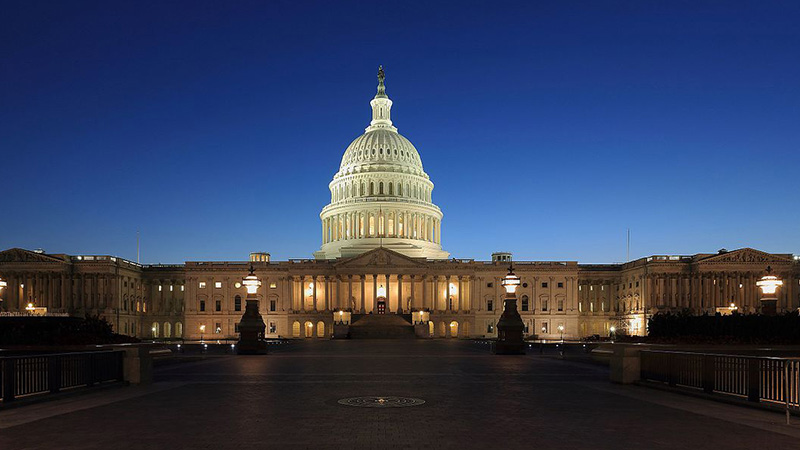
x,y
252,326
202,331
561,330
769,285
613,331
3,284
510,325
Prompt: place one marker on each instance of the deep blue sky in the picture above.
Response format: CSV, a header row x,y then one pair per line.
x,y
548,127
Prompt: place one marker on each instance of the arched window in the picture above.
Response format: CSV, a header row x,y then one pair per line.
x,y
400,189
167,330
380,188
454,329
178,329
320,329
391,188
154,330
371,188
296,329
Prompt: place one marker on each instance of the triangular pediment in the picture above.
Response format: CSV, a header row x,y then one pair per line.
x,y
21,255
379,257
746,255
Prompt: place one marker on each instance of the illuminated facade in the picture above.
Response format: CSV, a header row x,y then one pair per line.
x,y
381,253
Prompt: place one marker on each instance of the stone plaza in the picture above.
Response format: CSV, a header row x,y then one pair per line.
x,y
472,399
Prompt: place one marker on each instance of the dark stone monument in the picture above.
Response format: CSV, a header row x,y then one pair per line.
x,y
510,325
252,326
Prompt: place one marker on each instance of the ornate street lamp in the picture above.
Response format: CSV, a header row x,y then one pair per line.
x,y
510,325
769,285
252,326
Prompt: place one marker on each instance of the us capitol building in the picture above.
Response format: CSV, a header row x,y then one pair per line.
x,y
382,254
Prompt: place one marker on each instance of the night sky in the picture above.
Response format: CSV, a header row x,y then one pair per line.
x,y
547,127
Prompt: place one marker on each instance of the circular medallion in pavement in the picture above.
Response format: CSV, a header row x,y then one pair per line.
x,y
381,402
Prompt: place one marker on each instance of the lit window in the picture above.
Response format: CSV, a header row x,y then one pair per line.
x,y
273,285
218,284
170,288
273,328
181,288
218,328
159,288
202,285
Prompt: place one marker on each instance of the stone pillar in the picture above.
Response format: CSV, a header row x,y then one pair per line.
x,y
349,293
388,290
374,293
363,308
327,288
314,292
413,300
337,296
460,293
399,294
302,294
435,283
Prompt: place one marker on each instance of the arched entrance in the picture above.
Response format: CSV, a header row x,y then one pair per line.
x,y
381,307
454,329
296,329
309,329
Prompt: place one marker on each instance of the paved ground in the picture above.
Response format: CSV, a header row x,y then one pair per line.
x,y
473,400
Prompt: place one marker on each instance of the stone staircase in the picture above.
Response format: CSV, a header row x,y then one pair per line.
x,y
382,326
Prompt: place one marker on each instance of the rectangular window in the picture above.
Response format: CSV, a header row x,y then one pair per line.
x,y
545,328
273,285
273,328
236,328
218,306
202,305
272,305
489,305
544,305
560,284
170,288
637,284
489,284
218,328
181,288
218,284
490,327
202,285
544,284
524,304
159,288
237,303
561,305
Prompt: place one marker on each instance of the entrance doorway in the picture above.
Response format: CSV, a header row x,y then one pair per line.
x,y
381,306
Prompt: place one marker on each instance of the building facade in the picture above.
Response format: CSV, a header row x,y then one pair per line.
x,y
381,253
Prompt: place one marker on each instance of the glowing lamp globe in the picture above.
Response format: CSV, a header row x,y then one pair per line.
x,y
3,284
769,284
251,282
511,281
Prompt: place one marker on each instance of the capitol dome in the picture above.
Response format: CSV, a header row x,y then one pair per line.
x,y
381,195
